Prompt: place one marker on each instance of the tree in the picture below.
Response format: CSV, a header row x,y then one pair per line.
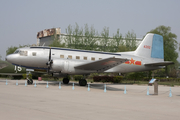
x,y
105,38
90,38
131,43
170,44
69,38
11,50
117,41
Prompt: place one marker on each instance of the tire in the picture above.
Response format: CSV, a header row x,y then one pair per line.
x,y
82,82
65,80
29,81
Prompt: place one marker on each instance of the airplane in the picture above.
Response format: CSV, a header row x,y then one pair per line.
x,y
16,72
63,61
13,71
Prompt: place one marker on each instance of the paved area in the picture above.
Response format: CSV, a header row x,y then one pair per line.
x,y
20,102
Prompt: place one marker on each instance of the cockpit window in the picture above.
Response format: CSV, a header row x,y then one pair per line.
x,y
23,53
17,51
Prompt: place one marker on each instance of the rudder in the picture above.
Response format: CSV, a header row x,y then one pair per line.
x,y
151,47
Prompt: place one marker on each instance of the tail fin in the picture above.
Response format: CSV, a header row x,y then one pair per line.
x,y
151,47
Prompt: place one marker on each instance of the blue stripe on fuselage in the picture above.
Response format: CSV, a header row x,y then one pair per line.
x,y
78,50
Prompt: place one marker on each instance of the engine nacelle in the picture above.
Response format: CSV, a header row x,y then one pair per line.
x,y
65,66
57,65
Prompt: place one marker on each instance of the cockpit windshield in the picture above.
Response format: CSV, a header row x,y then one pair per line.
x,y
21,52
17,51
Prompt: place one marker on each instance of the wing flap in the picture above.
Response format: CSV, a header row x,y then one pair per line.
x,y
165,63
102,65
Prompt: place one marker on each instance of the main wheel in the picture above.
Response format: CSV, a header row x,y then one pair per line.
x,y
65,80
82,82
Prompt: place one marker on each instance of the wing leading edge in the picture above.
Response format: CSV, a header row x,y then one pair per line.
x,y
102,65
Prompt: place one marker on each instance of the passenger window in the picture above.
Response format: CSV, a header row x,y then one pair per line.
x,y
78,57
69,56
61,56
93,58
85,58
33,53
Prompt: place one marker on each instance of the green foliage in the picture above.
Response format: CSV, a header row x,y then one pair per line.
x,y
27,75
88,39
113,79
11,50
135,76
131,43
78,77
117,79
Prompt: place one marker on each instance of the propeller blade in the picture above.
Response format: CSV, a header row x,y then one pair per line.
x,y
49,54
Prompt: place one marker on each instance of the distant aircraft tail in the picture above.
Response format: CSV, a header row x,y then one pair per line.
x,y
151,47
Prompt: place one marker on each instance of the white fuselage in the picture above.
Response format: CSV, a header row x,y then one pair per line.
x,y
65,60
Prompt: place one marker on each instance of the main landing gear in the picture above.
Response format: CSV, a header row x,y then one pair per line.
x,y
65,80
29,81
82,82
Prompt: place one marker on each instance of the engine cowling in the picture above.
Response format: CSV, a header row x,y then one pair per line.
x,y
57,65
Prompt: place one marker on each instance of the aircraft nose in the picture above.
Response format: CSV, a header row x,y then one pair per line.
x,y
9,58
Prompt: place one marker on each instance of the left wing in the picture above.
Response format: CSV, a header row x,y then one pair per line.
x,y
102,65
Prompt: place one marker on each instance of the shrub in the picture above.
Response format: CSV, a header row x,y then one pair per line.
x,y
78,77
25,76
117,79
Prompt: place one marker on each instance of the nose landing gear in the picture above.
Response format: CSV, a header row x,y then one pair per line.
x,y
29,81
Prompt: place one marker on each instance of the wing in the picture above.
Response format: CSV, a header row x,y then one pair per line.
x,y
14,74
165,63
102,65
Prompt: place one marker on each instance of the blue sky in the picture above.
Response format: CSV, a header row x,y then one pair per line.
x,y
20,20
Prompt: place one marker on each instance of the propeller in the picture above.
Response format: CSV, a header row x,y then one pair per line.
x,y
50,61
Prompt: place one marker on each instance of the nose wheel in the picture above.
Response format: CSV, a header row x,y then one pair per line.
x,y
29,81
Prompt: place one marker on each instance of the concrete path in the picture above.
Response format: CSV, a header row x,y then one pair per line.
x,y
20,102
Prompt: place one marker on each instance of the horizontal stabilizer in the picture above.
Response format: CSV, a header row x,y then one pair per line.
x,y
165,63
102,65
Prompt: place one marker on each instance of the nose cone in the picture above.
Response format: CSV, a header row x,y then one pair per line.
x,y
10,58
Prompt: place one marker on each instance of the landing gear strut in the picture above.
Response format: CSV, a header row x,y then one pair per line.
x,y
29,81
82,82
65,80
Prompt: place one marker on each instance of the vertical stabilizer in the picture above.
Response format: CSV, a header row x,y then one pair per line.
x,y
151,47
